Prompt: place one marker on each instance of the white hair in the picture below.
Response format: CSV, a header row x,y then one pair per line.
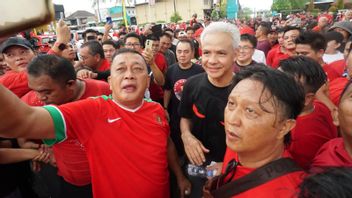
x,y
222,27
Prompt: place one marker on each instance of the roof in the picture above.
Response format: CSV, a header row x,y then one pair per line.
x,y
80,14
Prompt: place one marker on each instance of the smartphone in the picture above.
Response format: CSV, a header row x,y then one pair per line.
x,y
108,20
149,44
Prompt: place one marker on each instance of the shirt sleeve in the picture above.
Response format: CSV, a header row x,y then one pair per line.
x,y
74,120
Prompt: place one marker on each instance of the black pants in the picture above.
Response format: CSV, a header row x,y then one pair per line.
x,y
71,191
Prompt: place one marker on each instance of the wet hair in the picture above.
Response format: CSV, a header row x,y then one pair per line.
x,y
315,40
84,34
249,38
127,50
306,69
57,68
110,42
186,41
277,83
94,48
330,183
222,27
133,35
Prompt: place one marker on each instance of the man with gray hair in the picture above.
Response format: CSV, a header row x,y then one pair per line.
x,y
204,99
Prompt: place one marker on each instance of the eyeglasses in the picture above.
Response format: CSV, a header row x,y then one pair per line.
x,y
244,48
132,44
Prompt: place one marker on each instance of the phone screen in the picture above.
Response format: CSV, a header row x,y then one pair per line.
x,y
108,20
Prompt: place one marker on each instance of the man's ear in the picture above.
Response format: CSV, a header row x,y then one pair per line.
x,y
287,126
308,98
335,116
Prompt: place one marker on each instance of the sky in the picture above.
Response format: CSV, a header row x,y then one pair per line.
x,y
74,5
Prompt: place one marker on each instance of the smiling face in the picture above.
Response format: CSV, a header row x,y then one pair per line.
x,y
252,122
18,57
129,79
289,39
218,57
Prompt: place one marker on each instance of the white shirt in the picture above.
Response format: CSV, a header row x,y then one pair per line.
x,y
259,56
329,58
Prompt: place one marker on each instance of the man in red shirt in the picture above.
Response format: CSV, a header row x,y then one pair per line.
x,y
337,152
125,137
92,55
53,81
18,52
314,125
258,118
288,48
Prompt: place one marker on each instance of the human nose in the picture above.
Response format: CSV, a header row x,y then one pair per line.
x,y
233,117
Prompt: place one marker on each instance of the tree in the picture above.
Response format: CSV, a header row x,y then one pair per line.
x,y
175,17
340,4
245,13
311,6
279,5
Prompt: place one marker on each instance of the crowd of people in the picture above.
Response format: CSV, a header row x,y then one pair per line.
x,y
256,109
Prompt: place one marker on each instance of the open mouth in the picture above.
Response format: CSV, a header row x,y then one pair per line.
x,y
129,88
231,135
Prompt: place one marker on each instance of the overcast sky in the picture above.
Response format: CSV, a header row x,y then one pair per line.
x,y
74,5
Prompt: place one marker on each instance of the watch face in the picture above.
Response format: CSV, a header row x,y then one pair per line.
x,y
62,46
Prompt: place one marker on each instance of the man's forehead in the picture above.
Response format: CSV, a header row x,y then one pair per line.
x,y
121,58
13,48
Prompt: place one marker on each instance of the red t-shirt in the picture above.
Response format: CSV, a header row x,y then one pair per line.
x,y
284,186
70,155
335,89
331,72
17,82
333,153
310,133
156,91
105,65
274,57
339,66
126,149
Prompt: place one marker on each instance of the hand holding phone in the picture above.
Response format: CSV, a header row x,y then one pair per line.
x,y
108,20
149,44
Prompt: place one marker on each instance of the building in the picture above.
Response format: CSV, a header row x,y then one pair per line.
x,y
161,10
80,19
113,9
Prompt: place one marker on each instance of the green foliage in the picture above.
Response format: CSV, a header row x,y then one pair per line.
x,y
215,15
245,13
333,9
310,6
340,4
175,17
160,22
223,10
279,5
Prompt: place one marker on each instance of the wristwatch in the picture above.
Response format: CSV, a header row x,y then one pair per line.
x,y
61,46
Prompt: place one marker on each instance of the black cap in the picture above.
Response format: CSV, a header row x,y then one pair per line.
x,y
15,41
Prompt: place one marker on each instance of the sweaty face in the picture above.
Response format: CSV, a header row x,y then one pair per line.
x,y
88,59
184,53
165,44
249,127
109,51
17,57
289,39
345,112
218,56
50,91
306,50
129,79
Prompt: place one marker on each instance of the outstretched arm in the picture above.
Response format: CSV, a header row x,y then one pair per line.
x,y
17,119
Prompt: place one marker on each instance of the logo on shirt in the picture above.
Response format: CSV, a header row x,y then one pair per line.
x,y
178,88
113,120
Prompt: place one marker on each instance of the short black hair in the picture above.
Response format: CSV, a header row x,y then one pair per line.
x,y
265,28
127,50
289,28
94,48
315,40
84,34
187,41
249,38
167,35
333,36
110,42
330,183
133,35
189,28
306,69
277,83
59,69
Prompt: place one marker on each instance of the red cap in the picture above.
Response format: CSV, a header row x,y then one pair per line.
x,y
246,30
